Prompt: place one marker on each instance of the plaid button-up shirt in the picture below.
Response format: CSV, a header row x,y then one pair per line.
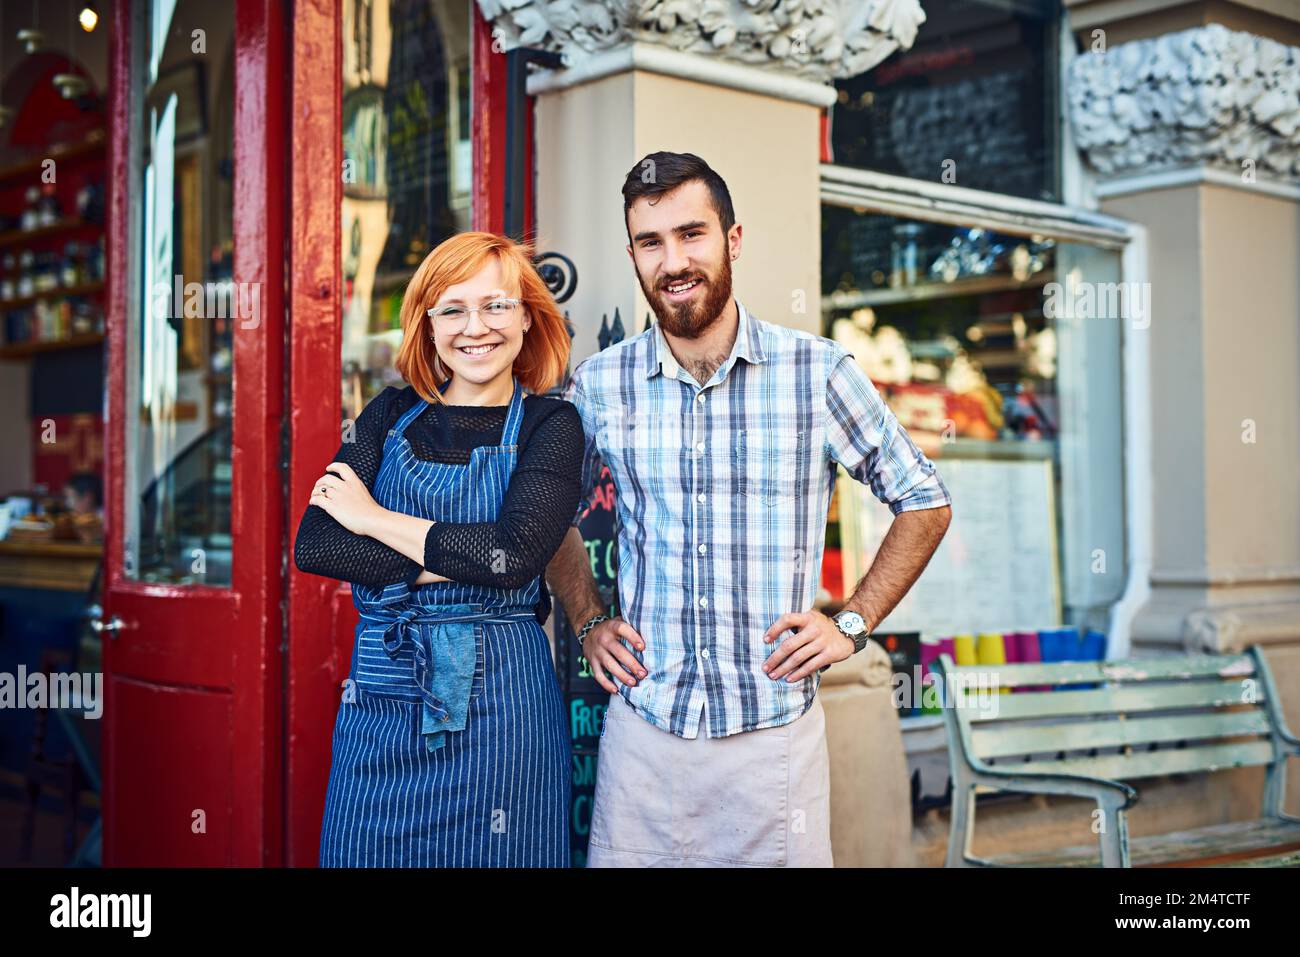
x,y
722,494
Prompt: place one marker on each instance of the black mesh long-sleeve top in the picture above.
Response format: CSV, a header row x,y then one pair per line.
x,y
535,510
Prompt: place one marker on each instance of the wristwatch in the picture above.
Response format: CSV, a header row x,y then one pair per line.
x,y
852,624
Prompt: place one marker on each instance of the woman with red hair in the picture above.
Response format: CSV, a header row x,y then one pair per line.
x,y
451,746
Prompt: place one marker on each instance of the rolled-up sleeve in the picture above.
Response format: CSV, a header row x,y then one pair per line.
x,y
592,464
864,436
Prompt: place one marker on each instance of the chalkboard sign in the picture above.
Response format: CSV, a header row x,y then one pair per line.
x,y
584,699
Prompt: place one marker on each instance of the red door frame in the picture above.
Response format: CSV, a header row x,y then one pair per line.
x,y
193,699
321,617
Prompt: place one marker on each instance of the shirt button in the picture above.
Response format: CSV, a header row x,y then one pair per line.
x,y
703,549
700,497
700,397
704,603
704,653
700,447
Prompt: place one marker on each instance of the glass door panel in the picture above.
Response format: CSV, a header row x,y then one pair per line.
x,y
180,367
407,168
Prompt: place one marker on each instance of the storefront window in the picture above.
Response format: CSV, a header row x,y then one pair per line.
x,y
408,168
972,102
1000,354
180,361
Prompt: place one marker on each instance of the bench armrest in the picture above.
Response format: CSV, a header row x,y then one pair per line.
x,y
1103,791
1112,797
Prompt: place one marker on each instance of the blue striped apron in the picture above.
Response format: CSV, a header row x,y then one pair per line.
x,y
402,791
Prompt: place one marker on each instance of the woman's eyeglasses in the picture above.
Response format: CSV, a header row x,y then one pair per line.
x,y
495,313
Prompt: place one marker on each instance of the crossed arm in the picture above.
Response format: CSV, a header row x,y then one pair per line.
x,y
346,534
346,498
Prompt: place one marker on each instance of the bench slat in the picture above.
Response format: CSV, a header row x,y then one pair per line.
x,y
1124,698
1132,669
1143,764
1267,836
996,742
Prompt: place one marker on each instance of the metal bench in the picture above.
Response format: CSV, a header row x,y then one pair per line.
x,y
1123,720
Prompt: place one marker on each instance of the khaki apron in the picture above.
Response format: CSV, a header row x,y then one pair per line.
x,y
755,799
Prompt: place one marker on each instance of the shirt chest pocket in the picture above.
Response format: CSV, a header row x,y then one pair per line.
x,y
768,465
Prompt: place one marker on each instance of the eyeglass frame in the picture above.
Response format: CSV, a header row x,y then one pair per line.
x,y
432,311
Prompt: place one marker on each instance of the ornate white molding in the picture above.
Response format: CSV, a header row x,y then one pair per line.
x,y
1205,96
817,40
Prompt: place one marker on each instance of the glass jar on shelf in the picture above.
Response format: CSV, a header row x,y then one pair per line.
x,y
70,265
84,318
48,211
31,210
8,279
90,203
904,254
45,272
26,282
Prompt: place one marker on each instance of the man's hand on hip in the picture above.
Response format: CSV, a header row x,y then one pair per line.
x,y
816,642
605,651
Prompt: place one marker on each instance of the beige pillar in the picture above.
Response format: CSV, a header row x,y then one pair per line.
x,y
1190,133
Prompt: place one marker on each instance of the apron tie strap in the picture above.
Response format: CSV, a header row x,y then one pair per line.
x,y
445,655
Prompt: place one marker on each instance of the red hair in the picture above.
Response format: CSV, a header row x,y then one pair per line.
x,y
545,351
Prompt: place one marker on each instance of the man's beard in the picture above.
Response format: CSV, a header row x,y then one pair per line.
x,y
691,319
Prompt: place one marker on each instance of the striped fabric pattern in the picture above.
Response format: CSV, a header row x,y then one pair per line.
x,y
495,793
498,793
722,496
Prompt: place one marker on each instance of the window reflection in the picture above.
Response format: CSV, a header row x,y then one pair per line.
x,y
180,357
1001,356
949,323
407,169
973,101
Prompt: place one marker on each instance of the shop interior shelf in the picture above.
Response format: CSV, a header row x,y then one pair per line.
x,y
17,237
975,286
58,292
20,350
93,142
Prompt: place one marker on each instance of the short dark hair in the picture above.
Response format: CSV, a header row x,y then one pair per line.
x,y
658,173
88,483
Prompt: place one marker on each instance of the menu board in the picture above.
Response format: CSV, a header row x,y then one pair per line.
x,y
996,569
584,700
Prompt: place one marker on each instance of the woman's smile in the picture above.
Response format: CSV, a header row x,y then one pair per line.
x,y
476,350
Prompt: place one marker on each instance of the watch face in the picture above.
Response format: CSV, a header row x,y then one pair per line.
x,y
850,622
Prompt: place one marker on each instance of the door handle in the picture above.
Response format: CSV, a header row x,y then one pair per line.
x,y
110,627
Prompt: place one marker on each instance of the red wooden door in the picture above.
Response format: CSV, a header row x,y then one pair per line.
x,y
195,544
321,617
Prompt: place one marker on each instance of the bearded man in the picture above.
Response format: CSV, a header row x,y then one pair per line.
x,y
722,434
